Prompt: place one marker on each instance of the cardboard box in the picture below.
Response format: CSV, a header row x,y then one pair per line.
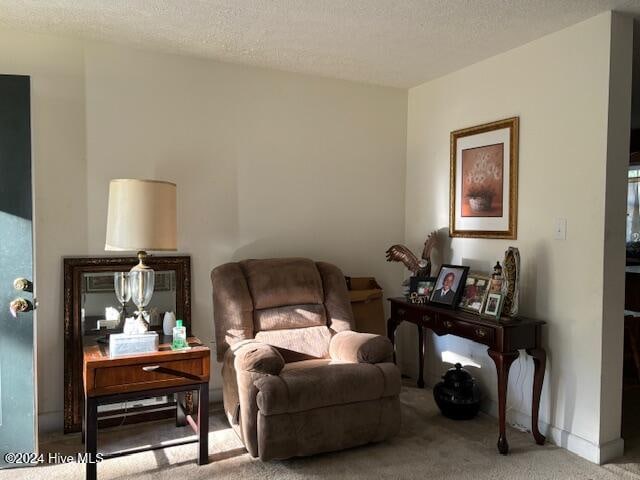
x,y
366,302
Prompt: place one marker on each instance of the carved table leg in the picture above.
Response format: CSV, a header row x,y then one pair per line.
x,y
391,334
503,363
539,361
420,357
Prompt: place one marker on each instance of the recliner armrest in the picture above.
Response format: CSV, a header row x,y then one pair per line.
x,y
257,357
355,347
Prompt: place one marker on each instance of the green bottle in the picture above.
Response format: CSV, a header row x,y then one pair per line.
x,y
179,336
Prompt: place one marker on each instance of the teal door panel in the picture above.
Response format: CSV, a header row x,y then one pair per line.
x,y
18,432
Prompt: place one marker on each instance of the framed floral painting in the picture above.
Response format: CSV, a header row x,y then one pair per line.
x,y
484,181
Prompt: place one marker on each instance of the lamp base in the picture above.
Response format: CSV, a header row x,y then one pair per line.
x,y
141,281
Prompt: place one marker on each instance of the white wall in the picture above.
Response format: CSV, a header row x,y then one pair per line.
x,y
267,164
559,87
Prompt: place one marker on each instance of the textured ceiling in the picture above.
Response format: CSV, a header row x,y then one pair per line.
x,y
398,43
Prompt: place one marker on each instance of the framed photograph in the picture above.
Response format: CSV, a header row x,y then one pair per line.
x,y
103,282
164,282
475,292
420,288
484,181
449,285
493,306
495,285
99,283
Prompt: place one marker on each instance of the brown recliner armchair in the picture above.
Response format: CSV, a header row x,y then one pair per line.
x,y
297,380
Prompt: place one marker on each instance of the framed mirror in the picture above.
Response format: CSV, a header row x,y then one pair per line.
x,y
94,307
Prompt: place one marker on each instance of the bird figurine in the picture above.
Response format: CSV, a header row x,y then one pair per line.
x,y
418,267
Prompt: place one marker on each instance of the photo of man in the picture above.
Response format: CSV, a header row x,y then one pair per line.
x,y
446,294
449,285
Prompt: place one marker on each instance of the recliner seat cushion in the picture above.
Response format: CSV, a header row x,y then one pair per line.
x,y
313,384
298,343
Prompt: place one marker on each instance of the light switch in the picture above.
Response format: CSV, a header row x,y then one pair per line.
x,y
561,229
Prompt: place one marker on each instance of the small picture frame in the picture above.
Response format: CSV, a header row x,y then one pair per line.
x,y
475,292
495,285
493,306
449,285
99,283
420,289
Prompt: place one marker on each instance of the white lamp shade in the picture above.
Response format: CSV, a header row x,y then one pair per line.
x,y
141,216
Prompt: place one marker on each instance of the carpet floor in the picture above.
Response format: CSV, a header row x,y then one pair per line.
x,y
428,446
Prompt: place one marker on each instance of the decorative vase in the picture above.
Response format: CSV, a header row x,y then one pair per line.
x,y
168,322
480,204
123,294
511,269
458,394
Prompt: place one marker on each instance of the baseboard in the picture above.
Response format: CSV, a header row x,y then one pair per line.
x,y
215,395
582,447
50,422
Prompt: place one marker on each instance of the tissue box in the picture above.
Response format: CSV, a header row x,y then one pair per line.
x,y
126,344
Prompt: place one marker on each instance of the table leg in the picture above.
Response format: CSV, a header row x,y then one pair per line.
x,y
203,424
391,334
503,363
539,361
420,357
83,424
91,437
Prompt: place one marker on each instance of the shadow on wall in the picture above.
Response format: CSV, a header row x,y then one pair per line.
x,y
295,244
443,253
536,273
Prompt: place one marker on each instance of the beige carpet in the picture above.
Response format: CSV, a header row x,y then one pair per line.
x,y
428,447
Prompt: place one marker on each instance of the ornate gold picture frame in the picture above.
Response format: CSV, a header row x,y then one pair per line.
x,y
483,193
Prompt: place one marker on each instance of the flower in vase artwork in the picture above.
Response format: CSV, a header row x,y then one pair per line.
x,y
482,181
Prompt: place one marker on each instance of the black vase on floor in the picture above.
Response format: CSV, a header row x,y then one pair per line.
x,y
458,395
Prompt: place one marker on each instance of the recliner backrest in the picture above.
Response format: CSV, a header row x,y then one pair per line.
x,y
294,304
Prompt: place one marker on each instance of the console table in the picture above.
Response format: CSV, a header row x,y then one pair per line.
x,y
113,380
504,338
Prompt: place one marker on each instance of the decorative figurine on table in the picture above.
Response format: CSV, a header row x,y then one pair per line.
x,y
511,287
419,299
495,285
417,267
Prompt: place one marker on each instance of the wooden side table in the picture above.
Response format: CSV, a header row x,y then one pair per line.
x,y
113,380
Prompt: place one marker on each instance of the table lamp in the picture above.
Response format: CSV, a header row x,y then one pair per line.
x,y
141,218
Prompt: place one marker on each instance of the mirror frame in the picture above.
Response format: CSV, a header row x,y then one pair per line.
x,y
73,268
